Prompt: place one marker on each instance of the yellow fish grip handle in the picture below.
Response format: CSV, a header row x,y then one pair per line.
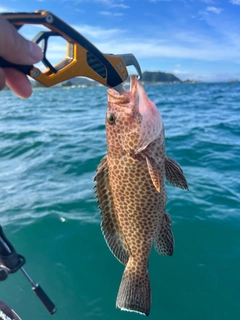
x,y
82,58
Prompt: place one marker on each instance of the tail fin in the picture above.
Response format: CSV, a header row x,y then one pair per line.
x,y
134,292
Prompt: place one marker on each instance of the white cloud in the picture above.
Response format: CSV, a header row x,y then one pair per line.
x,y
207,1
30,31
98,32
181,73
152,49
113,4
183,46
178,66
174,44
107,3
111,14
105,13
120,5
4,9
215,10
235,2
154,1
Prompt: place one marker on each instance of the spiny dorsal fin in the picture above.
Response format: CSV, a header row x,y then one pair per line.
x,y
174,174
110,227
164,240
153,171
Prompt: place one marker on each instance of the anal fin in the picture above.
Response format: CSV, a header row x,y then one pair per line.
x,y
164,240
110,228
174,174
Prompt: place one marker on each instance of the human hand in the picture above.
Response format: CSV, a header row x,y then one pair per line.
x,y
16,49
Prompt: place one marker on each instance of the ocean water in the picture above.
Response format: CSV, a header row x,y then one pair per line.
x,y
50,147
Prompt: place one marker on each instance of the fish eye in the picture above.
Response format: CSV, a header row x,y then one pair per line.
x,y
111,118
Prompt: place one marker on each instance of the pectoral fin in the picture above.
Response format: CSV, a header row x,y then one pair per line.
x,y
164,240
153,171
110,227
174,174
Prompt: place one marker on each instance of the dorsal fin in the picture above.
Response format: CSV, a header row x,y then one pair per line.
x,y
174,174
153,171
110,228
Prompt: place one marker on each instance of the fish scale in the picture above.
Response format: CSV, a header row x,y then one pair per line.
x,y
130,187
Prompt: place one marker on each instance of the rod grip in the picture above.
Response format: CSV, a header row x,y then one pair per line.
x,y
23,68
46,301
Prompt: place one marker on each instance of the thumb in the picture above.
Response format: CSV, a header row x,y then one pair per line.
x,y
15,48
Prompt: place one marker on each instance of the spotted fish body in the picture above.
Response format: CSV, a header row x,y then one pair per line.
x,y
131,192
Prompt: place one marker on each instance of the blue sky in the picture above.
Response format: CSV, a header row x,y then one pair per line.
x,y
197,39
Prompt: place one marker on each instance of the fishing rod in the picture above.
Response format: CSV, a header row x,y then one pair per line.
x,y
11,262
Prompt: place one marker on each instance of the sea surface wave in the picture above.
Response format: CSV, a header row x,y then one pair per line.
x,y
51,145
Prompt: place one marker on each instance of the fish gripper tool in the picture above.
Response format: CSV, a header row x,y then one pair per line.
x,y
82,57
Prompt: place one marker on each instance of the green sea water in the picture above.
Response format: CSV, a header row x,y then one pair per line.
x,y
50,147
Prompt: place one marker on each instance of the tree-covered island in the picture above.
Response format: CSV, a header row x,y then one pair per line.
x,y
158,76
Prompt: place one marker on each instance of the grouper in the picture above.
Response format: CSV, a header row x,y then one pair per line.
x,y
131,191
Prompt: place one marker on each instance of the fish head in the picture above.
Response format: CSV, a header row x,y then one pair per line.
x,y
132,120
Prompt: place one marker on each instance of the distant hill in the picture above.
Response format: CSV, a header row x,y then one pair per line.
x,y
159,76
81,81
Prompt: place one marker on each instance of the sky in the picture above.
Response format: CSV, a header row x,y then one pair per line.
x,y
193,39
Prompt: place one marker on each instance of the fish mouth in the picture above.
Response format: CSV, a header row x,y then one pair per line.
x,y
138,103
125,96
119,98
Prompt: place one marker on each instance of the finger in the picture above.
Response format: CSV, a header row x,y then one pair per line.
x,y
18,83
15,48
2,79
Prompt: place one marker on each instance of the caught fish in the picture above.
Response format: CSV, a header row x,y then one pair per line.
x,y
131,192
